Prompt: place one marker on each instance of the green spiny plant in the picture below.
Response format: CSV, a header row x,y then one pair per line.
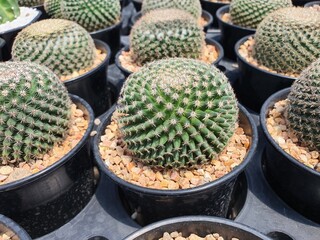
x,y
53,8
177,113
30,3
62,45
249,13
9,10
288,40
35,111
304,107
164,34
191,6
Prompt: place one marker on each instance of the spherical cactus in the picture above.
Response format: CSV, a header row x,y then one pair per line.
x,y
304,107
164,34
9,10
61,45
288,40
177,113
30,3
35,111
53,8
249,13
191,6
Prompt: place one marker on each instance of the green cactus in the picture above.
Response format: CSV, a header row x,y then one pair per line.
x,y
30,3
288,40
249,13
304,107
35,111
53,8
177,113
9,10
61,45
191,6
164,34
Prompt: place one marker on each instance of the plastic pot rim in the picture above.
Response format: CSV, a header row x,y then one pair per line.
x,y
313,3
2,42
14,227
64,159
151,191
282,94
215,3
236,48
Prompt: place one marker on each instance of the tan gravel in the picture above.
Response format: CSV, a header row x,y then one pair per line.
x,y
178,236
285,137
9,235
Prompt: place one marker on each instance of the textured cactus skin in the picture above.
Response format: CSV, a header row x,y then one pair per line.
x,y
53,8
249,13
288,40
191,6
9,10
166,33
304,107
61,45
35,111
177,113
30,3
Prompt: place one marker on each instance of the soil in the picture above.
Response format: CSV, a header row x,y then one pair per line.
x,y
178,236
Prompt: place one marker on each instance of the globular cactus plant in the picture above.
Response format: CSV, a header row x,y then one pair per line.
x,y
9,10
62,45
30,3
288,40
304,107
191,6
93,15
249,13
164,34
177,113
35,111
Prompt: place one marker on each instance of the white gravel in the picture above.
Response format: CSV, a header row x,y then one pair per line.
x,y
26,17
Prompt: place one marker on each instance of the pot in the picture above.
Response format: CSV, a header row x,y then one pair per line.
x,y
12,229
310,4
137,4
44,14
2,43
300,2
212,8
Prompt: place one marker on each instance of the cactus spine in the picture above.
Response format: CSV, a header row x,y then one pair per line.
x,y
9,10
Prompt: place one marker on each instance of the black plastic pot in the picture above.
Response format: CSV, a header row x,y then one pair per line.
x,y
2,43
209,199
230,34
46,200
209,41
93,86
124,3
300,2
111,36
199,225
137,4
256,85
44,14
9,37
297,184
11,228
310,4
212,8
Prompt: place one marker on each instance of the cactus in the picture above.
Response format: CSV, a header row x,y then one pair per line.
x,y
304,107
288,40
177,113
166,33
61,45
53,8
191,6
30,3
249,13
35,111
9,10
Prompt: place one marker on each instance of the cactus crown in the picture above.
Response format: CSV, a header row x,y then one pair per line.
x,y
249,13
164,34
9,10
30,3
61,45
288,40
35,111
304,106
191,6
93,15
177,113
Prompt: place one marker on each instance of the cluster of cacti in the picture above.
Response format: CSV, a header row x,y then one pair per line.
x,y
164,34
304,107
191,6
93,15
35,111
30,3
249,13
9,10
288,40
61,45
177,113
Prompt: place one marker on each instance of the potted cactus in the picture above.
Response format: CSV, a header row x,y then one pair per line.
x,y
45,159
173,117
164,34
273,58
212,7
290,123
68,50
241,18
